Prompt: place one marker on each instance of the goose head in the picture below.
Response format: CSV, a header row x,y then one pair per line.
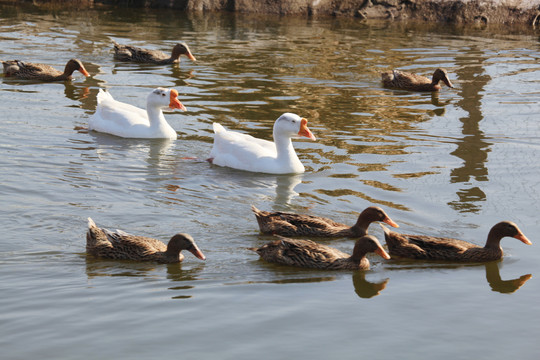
x,y
164,98
289,125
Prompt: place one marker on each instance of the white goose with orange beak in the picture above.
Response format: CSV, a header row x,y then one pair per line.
x,y
128,121
245,152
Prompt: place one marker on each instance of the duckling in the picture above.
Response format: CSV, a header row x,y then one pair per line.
x,y
290,224
407,81
309,254
137,54
438,248
30,71
123,246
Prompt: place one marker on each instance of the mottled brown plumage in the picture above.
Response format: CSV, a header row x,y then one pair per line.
x,y
137,54
30,71
309,254
436,248
402,80
122,246
290,224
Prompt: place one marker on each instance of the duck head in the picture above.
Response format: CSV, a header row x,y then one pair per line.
x,y
181,242
441,74
182,49
164,98
75,64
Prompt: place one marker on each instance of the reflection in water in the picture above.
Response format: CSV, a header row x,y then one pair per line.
x,y
493,276
473,147
494,280
364,288
96,267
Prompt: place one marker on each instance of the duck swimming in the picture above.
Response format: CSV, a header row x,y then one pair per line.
x,y
127,121
32,71
119,245
437,248
407,81
245,152
290,224
137,54
309,254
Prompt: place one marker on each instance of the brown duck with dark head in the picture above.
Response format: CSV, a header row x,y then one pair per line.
x,y
424,247
407,81
137,54
123,246
309,254
290,224
31,71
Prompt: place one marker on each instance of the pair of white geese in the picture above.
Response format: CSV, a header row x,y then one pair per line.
x,y
230,149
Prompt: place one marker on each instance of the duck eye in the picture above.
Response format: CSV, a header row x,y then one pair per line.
x,y
162,94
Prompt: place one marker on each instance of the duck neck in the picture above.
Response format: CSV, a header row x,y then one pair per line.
x,y
359,254
493,241
361,226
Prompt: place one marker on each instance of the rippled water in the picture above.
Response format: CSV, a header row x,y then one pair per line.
x,y
453,163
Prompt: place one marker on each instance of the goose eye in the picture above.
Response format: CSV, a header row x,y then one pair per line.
x,y
162,94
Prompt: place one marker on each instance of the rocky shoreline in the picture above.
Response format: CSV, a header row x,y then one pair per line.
x,y
507,12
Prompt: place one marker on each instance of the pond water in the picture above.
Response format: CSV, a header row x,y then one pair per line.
x,y
447,164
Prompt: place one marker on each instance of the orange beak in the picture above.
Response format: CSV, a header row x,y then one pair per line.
x,y
190,56
83,71
175,103
390,222
523,238
198,253
380,251
304,131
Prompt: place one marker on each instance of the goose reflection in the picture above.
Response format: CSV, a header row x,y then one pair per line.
x,y
366,289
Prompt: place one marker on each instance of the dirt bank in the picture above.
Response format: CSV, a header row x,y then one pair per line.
x,y
525,12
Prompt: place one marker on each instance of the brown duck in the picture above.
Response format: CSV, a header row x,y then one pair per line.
x,y
30,71
137,54
290,224
402,80
309,254
436,248
123,246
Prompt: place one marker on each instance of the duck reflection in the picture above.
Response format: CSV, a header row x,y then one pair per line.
x,y
497,284
96,267
472,148
366,289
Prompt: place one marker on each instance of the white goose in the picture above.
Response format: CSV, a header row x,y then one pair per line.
x,y
128,121
245,152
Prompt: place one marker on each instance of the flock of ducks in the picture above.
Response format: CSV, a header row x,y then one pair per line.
x,y
244,152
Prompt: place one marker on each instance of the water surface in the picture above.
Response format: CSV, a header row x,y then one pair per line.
x,y
447,164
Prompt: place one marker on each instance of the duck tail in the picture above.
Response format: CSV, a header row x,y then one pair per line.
x,y
259,215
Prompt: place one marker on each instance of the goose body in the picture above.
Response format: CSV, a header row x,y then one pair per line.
x,y
32,71
245,152
424,247
128,121
137,54
290,224
309,254
119,245
407,81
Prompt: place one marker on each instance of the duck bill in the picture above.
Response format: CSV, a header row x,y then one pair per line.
x,y
390,222
380,251
304,131
190,56
198,253
83,71
523,238
447,82
175,103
